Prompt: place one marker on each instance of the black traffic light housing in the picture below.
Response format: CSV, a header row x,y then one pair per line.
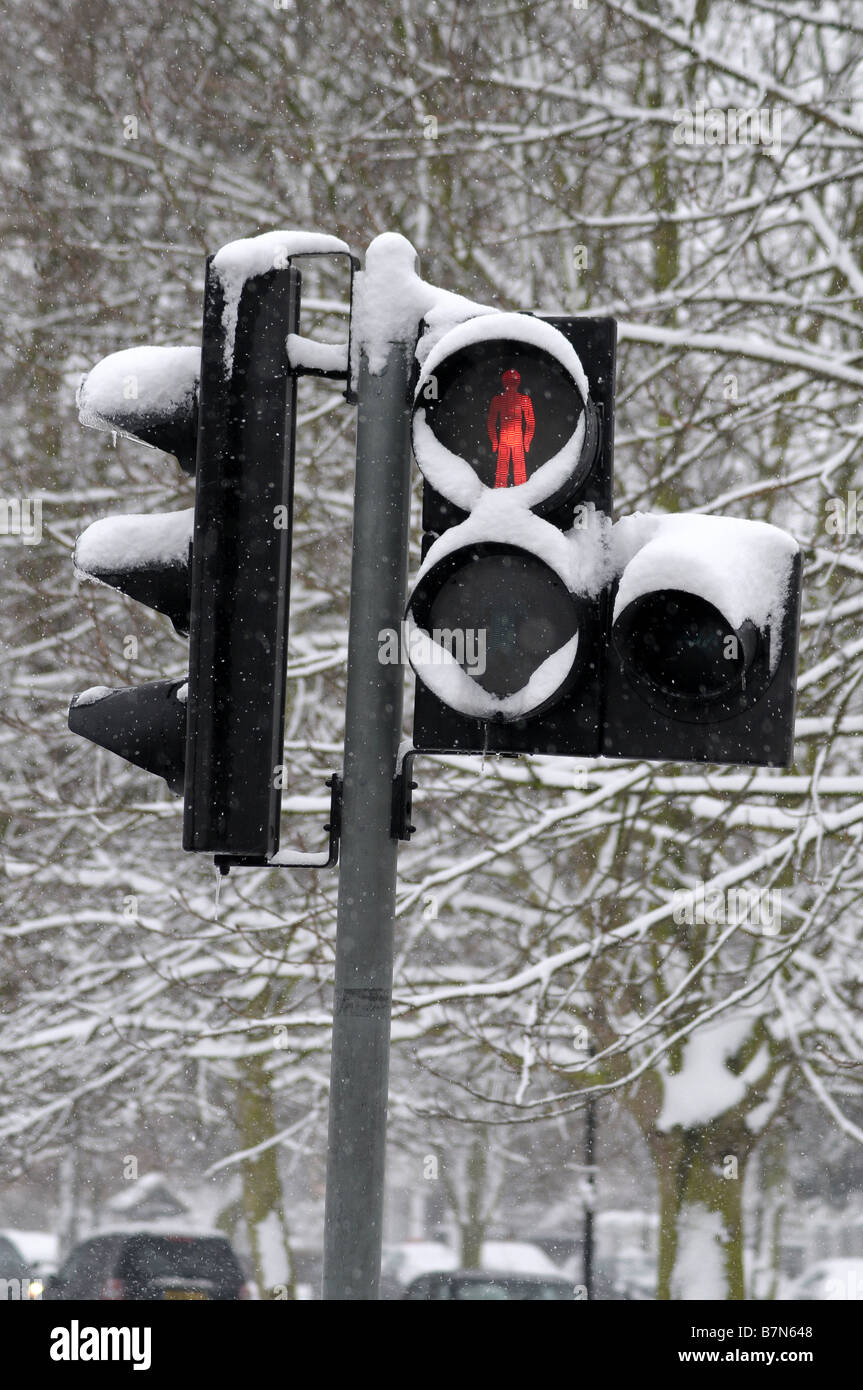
x,y
241,558
149,394
569,722
689,678
145,724
675,636
227,410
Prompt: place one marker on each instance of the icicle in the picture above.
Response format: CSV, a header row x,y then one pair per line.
x,y
217,895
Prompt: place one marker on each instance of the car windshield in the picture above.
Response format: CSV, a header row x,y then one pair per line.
x,y
515,1289
179,1257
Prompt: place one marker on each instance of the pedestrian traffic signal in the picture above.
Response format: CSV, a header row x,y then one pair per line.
x,y
508,610
534,625
222,572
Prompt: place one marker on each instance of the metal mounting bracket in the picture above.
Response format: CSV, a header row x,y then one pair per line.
x,y
403,789
298,858
332,373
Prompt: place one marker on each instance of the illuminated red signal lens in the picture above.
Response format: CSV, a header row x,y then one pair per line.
x,y
511,426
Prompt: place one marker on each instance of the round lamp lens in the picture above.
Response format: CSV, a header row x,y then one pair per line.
x,y
501,616
680,644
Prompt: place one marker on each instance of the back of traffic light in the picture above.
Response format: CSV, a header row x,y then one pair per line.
x,y
535,626
149,394
226,408
240,570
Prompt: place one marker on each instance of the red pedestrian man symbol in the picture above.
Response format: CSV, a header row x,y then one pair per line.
x,y
511,425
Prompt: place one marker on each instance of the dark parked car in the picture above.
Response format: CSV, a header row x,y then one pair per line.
x,y
17,1279
137,1266
478,1285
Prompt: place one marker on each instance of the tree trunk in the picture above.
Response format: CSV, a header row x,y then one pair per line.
x,y
773,1172
701,1215
262,1197
473,1219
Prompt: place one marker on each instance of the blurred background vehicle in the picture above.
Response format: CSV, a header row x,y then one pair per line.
x,y
40,1251
18,1279
519,1256
479,1286
828,1280
403,1262
615,1277
153,1266
618,1280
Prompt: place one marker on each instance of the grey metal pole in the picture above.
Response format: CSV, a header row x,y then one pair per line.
x,y
367,877
589,1147
590,1196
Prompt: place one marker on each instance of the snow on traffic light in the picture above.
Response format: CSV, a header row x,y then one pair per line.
x,y
537,626
149,394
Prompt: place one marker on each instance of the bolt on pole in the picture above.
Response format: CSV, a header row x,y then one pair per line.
x,y
367,877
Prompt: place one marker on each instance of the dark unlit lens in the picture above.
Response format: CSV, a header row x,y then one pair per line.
x,y
508,613
681,644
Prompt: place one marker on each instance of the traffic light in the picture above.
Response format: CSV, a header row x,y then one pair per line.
x,y
508,615
221,573
534,625
703,650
